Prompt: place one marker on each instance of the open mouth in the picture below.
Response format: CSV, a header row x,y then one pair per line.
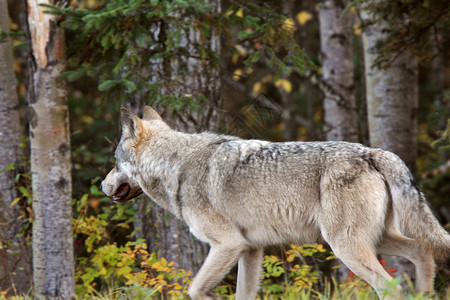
x,y
122,193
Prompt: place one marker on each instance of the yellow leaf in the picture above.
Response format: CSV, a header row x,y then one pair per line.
x,y
353,10
234,58
240,13
289,25
17,66
266,78
357,29
337,266
290,258
13,26
237,74
303,17
285,84
178,286
257,88
102,271
241,50
320,248
14,202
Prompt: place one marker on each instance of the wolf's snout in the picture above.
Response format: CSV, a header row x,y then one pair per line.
x,y
106,188
119,187
103,187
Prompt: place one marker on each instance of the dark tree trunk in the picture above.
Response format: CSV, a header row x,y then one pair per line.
x,y
15,255
165,234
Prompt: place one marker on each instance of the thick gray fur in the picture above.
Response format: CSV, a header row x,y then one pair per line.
x,y
243,195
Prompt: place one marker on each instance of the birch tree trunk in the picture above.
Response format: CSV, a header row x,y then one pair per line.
x,y
392,99
163,232
15,267
337,71
392,102
53,260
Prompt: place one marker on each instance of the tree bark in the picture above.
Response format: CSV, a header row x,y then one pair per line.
x,y
15,258
392,101
337,71
163,232
53,260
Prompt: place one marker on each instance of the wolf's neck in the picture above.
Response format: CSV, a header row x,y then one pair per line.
x,y
160,168
160,156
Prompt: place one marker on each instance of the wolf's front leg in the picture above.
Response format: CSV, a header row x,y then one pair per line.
x,y
249,274
221,258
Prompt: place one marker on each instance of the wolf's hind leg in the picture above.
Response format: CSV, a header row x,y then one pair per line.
x,y
362,261
399,245
249,274
221,258
354,201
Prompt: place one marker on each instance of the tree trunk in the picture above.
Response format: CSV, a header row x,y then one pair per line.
x,y
164,233
53,259
337,72
392,101
15,256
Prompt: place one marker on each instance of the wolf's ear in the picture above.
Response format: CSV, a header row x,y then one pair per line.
x,y
150,114
129,123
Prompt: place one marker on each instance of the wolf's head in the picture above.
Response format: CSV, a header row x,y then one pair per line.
x,y
121,183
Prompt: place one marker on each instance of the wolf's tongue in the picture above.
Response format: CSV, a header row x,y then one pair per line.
x,y
122,190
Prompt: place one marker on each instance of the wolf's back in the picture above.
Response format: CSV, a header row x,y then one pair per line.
x,y
412,213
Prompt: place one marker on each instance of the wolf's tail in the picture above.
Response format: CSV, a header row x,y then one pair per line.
x,y
412,213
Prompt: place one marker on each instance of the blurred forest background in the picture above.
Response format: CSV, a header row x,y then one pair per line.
x,y
373,72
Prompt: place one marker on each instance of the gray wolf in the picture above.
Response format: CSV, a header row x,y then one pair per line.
x,y
242,195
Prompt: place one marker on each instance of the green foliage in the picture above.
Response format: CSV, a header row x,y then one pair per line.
x,y
10,34
271,36
299,276
95,221
122,44
435,180
103,263
24,200
443,143
109,266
